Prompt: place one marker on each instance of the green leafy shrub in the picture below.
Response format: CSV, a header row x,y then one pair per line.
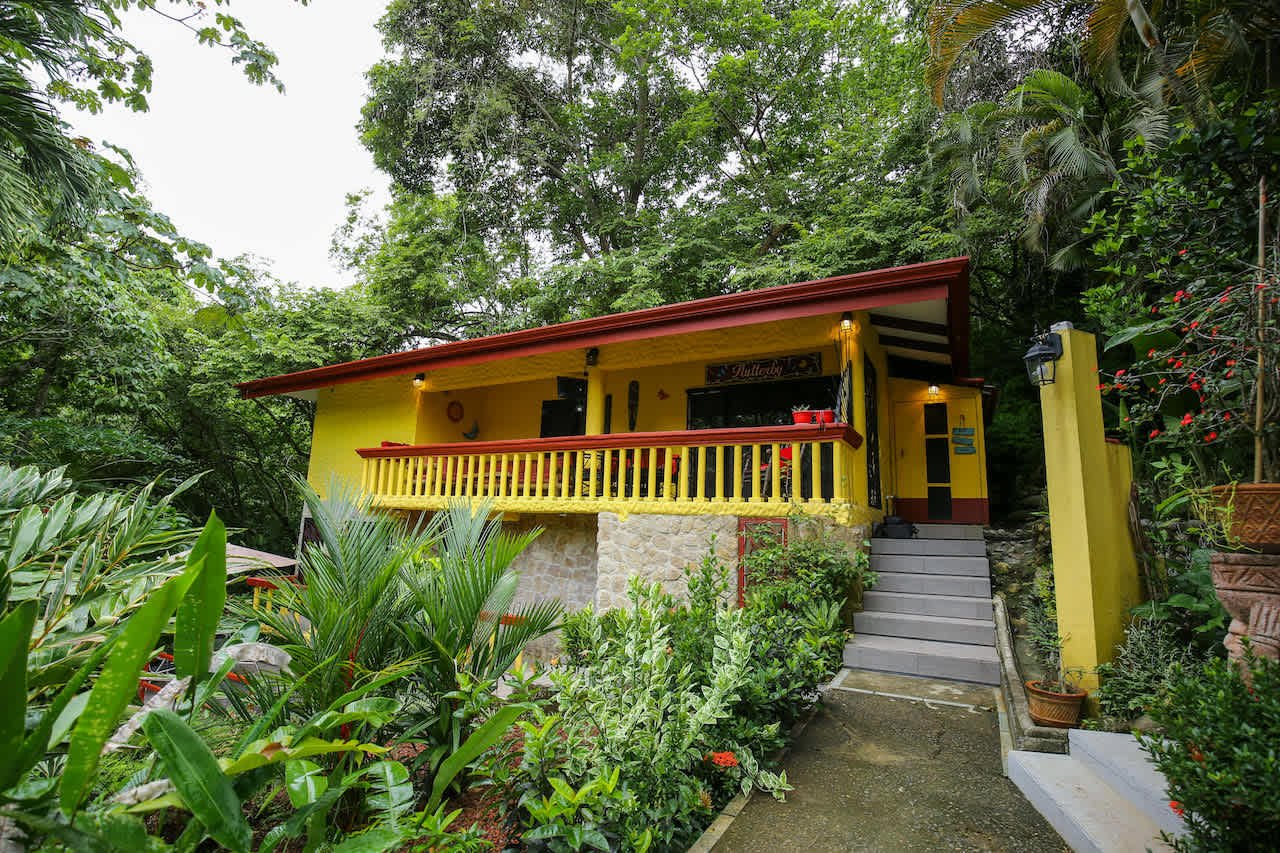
x,y
1143,668
1220,752
808,566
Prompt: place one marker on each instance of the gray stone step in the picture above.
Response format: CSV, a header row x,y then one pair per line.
x,y
1089,815
934,584
1119,761
948,531
931,547
976,566
943,629
955,661
928,604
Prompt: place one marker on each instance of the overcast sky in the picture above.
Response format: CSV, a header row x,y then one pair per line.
x,y
244,168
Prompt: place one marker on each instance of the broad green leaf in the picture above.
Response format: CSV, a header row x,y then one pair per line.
x,y
269,751
380,838
480,740
390,779
201,608
15,638
41,739
305,781
23,535
116,685
195,773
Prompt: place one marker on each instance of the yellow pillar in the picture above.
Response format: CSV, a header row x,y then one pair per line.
x,y
1094,566
857,464
595,401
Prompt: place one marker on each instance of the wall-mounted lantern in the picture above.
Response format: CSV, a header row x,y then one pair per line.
x,y
934,391
1042,358
419,381
846,321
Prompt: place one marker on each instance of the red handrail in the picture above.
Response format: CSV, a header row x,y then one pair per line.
x,y
680,438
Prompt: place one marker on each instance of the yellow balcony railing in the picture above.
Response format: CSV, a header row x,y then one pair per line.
x,y
758,471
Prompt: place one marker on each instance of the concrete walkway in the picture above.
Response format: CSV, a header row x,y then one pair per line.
x,y
877,773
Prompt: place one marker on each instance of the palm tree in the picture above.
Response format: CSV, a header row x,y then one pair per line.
x,y
41,168
1199,40
350,605
465,619
1052,142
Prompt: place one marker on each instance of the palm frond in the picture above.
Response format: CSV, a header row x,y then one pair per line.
x,y
953,25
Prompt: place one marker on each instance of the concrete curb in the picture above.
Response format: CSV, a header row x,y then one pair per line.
x,y
713,833
1025,733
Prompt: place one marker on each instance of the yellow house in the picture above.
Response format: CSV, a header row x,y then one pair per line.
x,y
650,432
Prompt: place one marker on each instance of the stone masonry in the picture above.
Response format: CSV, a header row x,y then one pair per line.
x,y
658,548
560,563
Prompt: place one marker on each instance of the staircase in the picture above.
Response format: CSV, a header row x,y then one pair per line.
x,y
930,613
1104,797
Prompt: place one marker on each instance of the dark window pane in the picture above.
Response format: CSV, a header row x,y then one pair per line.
x,y
939,503
935,418
937,460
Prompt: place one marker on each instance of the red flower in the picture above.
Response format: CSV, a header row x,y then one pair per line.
x,y
1195,753
1120,372
724,759
1155,309
1210,437
1177,808
1231,362
1163,380
1195,324
1178,363
1226,416
1230,373
1151,352
1179,296
1154,433
1181,252
1187,419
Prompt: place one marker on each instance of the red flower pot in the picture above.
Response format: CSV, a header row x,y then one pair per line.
x,y
824,416
803,417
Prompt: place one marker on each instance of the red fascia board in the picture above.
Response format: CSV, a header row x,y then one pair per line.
x,y
946,279
624,440
958,322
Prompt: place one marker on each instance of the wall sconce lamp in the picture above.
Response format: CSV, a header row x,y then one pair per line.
x,y
1042,358
846,321
419,381
934,391
593,356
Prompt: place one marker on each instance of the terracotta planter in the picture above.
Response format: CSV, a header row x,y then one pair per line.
x,y
802,417
1248,585
1255,514
1048,708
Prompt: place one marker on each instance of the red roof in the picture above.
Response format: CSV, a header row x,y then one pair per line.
x,y
946,279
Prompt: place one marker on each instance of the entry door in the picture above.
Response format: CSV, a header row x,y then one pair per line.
x,y
924,477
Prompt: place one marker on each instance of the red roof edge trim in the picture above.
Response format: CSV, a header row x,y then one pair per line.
x,y
857,291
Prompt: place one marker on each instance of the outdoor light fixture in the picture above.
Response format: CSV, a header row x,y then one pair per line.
x,y
1042,358
846,322
593,357
420,381
934,390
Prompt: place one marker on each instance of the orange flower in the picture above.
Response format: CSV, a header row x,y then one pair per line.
x,y
1177,808
724,759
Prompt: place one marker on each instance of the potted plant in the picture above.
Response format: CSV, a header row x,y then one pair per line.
x,y
1209,384
824,416
1055,701
801,415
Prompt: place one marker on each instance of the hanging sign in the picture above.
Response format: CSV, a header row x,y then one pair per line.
x,y
765,369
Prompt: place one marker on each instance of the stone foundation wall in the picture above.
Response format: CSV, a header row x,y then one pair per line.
x,y
658,548
560,563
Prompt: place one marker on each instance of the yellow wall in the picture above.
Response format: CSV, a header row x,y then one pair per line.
x,y
1095,570
358,414
507,411
964,409
504,398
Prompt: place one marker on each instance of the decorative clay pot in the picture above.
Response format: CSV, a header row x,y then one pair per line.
x,y
1255,514
1049,708
802,417
1248,585
824,416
